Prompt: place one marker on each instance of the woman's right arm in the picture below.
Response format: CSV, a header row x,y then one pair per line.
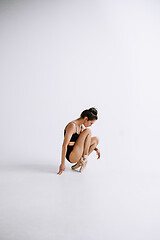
x,y
63,154
69,131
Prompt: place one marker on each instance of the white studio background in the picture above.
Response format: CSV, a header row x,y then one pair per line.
x,y
58,58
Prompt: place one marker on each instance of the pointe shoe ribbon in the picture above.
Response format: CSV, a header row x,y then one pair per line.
x,y
84,163
78,164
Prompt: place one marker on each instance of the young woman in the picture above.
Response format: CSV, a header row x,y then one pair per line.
x,y
78,143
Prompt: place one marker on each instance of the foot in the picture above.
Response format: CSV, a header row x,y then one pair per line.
x,y
84,163
77,165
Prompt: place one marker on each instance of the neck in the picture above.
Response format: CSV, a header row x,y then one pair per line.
x,y
79,121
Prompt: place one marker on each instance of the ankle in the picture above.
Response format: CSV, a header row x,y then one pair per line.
x,y
85,156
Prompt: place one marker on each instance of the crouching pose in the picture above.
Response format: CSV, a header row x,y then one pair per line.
x,y
78,143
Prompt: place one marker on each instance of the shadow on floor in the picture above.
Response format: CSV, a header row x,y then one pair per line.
x,y
30,167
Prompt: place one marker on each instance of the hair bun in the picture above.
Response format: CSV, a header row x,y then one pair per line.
x,y
93,110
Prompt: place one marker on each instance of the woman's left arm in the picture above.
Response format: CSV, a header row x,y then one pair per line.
x,y
98,153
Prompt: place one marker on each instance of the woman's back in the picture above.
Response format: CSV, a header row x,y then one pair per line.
x,y
74,135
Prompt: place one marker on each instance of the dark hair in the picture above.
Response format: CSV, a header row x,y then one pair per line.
x,y
91,113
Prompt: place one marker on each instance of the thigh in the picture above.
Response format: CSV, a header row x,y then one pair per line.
x,y
77,151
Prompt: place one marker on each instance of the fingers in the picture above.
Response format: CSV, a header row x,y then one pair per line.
x,y
60,172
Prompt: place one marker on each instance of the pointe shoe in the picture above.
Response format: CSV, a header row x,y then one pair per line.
x,y
84,163
78,164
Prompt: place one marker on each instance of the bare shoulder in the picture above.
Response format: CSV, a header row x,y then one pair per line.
x,y
69,131
70,127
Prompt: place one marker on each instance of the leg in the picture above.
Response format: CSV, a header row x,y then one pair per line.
x,y
93,145
81,146
87,143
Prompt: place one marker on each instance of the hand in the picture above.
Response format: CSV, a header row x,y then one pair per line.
x,y
98,153
61,168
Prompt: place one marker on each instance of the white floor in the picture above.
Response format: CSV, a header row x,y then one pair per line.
x,y
99,203
57,59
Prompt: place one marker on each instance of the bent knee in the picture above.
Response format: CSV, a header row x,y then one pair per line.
x,y
87,131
